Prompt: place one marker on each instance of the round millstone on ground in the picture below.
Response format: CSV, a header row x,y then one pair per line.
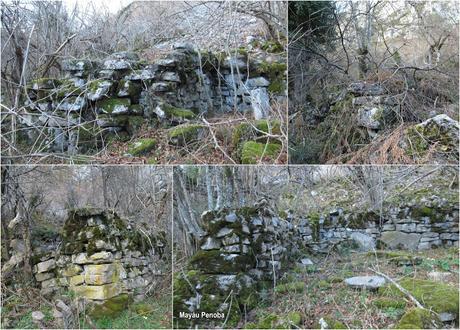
x,y
365,282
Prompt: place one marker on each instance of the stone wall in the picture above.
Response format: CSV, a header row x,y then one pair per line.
x,y
242,251
246,250
103,260
406,226
96,101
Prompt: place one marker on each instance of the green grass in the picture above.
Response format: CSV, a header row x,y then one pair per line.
x,y
152,313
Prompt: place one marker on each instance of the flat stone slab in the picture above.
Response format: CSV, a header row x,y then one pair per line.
x,y
365,282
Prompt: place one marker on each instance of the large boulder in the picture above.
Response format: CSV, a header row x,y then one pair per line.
x,y
396,240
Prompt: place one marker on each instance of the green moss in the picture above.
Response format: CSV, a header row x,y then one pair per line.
x,y
437,296
142,146
332,324
290,287
251,130
294,318
213,262
418,318
274,68
174,112
134,124
68,88
313,219
397,257
109,105
144,309
383,303
420,139
272,47
130,87
253,151
277,86
110,307
45,83
276,74
360,220
185,134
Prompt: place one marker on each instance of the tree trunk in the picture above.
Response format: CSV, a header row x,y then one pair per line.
x,y
219,188
209,187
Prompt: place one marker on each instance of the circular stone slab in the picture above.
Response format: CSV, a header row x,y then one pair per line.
x,y
365,282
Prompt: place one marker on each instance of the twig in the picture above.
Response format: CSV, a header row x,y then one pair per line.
x,y
53,56
400,288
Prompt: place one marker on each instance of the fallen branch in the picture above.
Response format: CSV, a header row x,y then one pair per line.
x,y
53,56
400,288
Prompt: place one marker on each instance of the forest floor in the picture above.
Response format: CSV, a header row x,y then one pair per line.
x,y
216,146
152,313
319,291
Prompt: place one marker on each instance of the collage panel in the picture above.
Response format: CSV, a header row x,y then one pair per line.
x,y
86,247
229,164
316,247
373,82
145,82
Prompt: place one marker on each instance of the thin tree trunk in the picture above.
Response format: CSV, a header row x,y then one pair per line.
x,y
209,187
219,188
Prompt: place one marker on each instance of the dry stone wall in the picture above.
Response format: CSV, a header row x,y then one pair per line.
x,y
103,260
246,250
96,101
241,251
406,226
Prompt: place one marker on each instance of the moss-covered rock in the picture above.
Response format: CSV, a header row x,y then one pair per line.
x,y
252,152
216,262
276,73
134,124
329,323
271,46
440,132
141,147
441,298
418,318
290,287
114,106
250,130
168,111
185,134
398,257
385,302
110,307
45,83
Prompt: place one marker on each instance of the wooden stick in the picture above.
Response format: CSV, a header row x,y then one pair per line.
x,y
400,288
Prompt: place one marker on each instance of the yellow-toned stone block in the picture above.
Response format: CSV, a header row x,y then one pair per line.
x,y
77,280
102,274
98,292
72,270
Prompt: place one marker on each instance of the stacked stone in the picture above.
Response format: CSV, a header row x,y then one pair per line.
x,y
102,258
114,97
421,227
45,273
240,251
375,109
412,227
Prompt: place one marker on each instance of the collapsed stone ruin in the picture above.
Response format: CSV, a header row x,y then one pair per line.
x,y
99,101
103,260
376,110
246,250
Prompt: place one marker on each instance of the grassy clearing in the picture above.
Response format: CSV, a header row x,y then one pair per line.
x,y
326,296
152,313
